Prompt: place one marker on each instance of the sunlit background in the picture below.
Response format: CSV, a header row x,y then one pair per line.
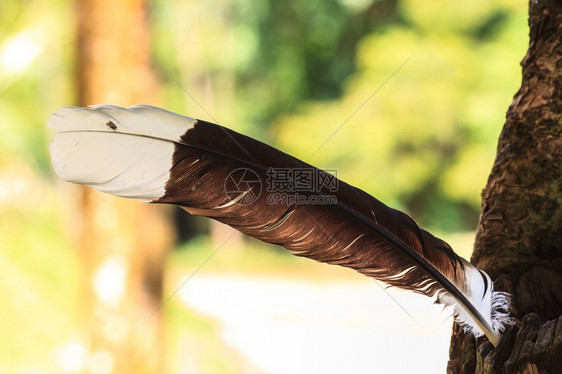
x,y
405,99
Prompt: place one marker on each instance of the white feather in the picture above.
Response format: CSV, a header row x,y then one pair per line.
x,y
492,305
94,146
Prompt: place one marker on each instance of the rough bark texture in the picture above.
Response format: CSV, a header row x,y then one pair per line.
x,y
122,242
519,237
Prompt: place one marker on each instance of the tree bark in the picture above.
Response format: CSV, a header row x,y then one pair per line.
x,y
122,243
519,235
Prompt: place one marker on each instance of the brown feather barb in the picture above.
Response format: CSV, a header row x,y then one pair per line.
x,y
212,171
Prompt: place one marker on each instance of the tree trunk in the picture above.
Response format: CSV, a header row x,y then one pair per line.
x,y
122,242
519,235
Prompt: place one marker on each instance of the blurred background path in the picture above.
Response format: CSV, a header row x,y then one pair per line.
x,y
289,326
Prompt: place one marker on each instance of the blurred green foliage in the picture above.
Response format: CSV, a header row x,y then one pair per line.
x,y
426,141
291,73
40,274
247,62
306,76
36,76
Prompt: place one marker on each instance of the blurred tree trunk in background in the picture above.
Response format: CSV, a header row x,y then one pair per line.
x,y
122,242
519,235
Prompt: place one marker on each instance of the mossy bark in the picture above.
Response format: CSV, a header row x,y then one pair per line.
x,y
519,237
